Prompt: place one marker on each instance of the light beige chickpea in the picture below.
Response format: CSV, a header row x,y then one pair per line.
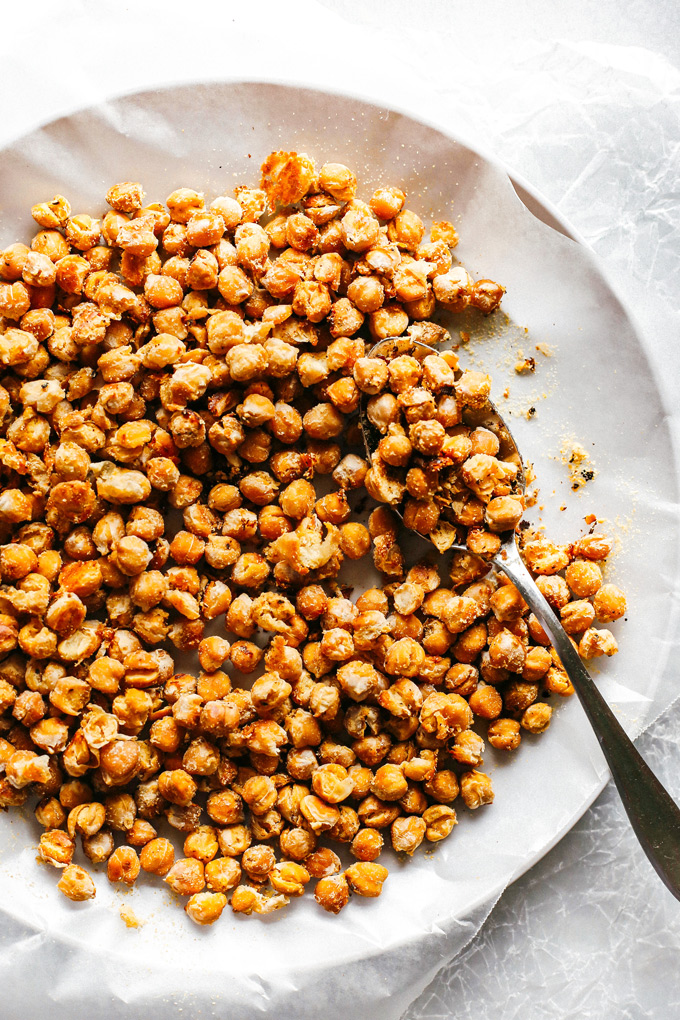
x,y
476,789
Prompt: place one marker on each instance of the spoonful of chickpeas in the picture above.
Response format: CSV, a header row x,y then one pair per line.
x,y
444,460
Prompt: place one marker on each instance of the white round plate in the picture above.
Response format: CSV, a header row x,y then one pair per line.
x,y
597,388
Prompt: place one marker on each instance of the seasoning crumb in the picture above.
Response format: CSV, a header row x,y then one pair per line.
x,y
130,918
525,365
546,350
465,337
579,463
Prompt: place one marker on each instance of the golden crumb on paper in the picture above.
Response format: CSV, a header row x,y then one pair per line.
x,y
131,920
545,349
524,365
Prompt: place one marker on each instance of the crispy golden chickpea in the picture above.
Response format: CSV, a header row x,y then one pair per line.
x,y
366,878
595,643
332,784
206,907
355,540
319,815
386,203
506,651
537,663
439,822
56,848
123,865
332,893
504,734
186,876
258,861
609,603
202,843
289,878
408,833
389,783
222,874
536,718
577,616
476,789
76,884
486,702
367,845
592,547
584,578
177,786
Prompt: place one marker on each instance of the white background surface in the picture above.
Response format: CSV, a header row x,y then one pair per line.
x,y
589,932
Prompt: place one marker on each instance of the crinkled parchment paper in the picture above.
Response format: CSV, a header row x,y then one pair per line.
x,y
597,388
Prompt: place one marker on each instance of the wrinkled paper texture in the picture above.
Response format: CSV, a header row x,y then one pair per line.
x,y
603,387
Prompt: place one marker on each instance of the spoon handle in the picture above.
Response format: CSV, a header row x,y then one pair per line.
x,y
653,814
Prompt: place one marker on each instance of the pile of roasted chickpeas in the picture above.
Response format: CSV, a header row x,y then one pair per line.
x,y
175,381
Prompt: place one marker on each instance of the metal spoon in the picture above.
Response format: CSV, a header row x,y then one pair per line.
x,y
653,814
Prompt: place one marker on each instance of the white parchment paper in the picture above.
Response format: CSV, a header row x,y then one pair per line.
x,y
598,388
